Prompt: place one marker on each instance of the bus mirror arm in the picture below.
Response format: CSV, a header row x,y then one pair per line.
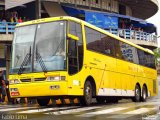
x,y
72,37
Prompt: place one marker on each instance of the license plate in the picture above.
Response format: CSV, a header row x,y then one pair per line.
x,y
15,94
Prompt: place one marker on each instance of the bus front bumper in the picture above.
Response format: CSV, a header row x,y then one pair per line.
x,y
38,89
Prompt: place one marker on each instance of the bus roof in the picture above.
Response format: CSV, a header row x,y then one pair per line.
x,y
44,20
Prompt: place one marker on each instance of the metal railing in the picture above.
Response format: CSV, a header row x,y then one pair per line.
x,y
7,27
134,35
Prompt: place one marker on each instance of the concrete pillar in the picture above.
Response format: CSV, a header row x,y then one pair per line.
x,y
38,9
7,56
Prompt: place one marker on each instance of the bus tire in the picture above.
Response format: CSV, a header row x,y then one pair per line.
x,y
43,101
86,100
137,96
144,94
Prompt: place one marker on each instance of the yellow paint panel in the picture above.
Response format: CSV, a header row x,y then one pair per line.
x,y
107,72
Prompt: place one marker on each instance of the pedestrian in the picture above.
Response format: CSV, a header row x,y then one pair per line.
x,y
2,88
20,20
24,19
11,19
4,22
131,27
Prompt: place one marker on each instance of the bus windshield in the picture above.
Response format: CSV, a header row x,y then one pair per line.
x,y
39,48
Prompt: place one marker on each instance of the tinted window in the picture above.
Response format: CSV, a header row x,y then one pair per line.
x,y
108,45
74,47
93,39
146,59
129,52
141,57
150,62
75,29
100,42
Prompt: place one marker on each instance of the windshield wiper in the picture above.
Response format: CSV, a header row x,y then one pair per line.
x,y
25,62
40,60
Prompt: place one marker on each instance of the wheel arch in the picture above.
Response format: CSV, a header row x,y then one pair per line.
x,y
138,85
144,85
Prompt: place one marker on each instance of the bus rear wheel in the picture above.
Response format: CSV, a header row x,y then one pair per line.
x,y
137,96
87,98
144,94
43,101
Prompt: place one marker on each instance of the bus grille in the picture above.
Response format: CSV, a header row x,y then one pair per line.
x,y
25,80
39,79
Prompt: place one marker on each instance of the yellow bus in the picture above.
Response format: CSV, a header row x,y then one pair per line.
x,y
64,57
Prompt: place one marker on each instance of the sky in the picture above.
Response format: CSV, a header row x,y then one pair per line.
x,y
156,21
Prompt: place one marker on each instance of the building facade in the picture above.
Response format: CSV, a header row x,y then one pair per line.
x,y
125,18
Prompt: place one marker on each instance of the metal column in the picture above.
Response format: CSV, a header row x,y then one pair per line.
x,y
38,9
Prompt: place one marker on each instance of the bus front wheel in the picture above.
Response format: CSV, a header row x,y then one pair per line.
x,y
137,95
43,101
87,97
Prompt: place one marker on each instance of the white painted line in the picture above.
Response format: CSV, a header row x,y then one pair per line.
x,y
140,111
158,113
111,110
71,111
44,110
151,117
133,113
11,109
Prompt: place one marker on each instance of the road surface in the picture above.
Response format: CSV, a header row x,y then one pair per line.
x,y
124,110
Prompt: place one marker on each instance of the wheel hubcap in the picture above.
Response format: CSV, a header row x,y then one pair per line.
x,y
88,93
137,93
144,95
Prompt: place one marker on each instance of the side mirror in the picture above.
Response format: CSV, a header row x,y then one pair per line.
x,y
72,37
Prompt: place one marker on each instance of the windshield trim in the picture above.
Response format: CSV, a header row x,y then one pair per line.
x,y
33,49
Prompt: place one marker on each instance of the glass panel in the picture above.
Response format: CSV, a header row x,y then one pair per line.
x,y
150,61
129,52
75,48
141,57
22,48
102,43
50,47
108,44
93,39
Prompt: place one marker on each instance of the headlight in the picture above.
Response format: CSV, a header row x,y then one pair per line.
x,y
15,81
13,89
56,78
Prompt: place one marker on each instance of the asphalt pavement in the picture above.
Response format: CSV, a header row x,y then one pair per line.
x,y
124,110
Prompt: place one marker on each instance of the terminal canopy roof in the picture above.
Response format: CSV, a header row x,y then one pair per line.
x,y
14,3
107,20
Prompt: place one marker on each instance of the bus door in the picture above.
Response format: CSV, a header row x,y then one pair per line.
x,y
75,52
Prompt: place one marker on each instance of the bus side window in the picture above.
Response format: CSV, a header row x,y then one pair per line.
x,y
129,53
75,48
118,52
141,56
150,62
108,43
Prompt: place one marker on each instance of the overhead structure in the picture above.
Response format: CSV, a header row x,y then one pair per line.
x,y
14,3
51,7
139,6
133,8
